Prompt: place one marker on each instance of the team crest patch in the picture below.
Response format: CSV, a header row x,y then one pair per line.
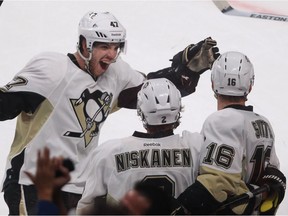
x,y
91,110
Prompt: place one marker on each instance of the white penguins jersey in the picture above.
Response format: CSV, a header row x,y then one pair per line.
x,y
69,119
170,161
238,146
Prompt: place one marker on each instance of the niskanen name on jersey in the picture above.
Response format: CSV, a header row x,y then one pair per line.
x,y
156,158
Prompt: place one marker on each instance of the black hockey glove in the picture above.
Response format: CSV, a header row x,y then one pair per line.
x,y
276,180
198,57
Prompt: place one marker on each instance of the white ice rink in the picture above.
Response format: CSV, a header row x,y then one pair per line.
x,y
156,30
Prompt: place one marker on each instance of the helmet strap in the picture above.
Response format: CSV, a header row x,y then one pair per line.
x,y
87,60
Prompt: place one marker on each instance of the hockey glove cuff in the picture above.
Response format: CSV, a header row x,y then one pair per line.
x,y
197,200
198,57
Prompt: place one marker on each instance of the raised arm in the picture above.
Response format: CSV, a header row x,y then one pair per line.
x,y
184,72
188,65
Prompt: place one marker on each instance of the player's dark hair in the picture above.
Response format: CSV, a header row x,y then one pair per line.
x,y
235,99
164,127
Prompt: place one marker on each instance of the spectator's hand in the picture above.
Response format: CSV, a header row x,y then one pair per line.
x,y
45,179
276,180
198,57
135,203
64,178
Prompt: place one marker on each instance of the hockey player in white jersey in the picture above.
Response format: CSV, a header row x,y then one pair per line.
x,y
62,101
239,149
159,156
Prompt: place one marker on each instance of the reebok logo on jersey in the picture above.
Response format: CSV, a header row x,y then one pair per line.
x,y
151,144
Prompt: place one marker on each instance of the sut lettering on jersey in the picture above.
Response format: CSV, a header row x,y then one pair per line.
x,y
262,129
153,158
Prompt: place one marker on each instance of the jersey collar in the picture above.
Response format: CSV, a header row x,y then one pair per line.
x,y
240,107
157,135
73,59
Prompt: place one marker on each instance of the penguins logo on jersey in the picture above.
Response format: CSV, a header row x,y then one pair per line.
x,y
91,110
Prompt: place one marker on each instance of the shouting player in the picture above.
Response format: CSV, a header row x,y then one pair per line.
x,y
62,101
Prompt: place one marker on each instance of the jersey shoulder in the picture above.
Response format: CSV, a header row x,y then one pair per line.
x,y
194,140
125,74
113,145
50,58
192,136
226,118
41,74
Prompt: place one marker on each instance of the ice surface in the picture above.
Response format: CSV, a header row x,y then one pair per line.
x,y
156,30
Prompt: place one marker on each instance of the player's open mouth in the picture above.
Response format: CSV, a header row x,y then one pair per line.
x,y
104,65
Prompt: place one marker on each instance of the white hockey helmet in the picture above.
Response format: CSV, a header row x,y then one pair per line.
x,y
159,102
101,27
232,74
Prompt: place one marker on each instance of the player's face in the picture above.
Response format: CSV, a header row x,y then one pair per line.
x,y
103,54
135,203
